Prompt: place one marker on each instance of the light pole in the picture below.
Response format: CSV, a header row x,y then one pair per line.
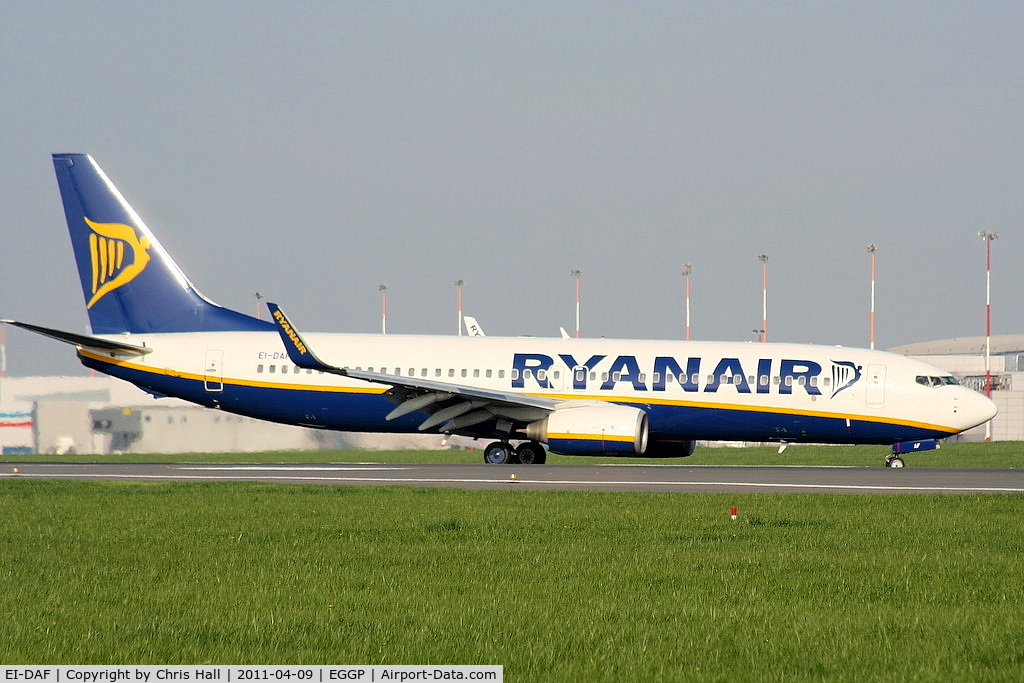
x,y
763,258
987,237
687,269
259,308
576,274
871,324
458,285
383,308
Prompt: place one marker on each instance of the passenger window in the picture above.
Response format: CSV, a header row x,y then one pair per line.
x,y
259,368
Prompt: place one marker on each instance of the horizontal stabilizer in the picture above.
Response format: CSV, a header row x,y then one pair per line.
x,y
83,340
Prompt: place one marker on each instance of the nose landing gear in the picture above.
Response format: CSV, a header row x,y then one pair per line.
x,y
894,460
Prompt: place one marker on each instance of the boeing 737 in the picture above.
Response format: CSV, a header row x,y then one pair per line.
x,y
593,397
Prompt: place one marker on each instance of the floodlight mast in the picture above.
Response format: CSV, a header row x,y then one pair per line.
x,y
987,237
576,273
383,308
871,325
687,270
458,285
763,333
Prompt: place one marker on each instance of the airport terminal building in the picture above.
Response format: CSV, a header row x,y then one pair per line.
x,y
101,414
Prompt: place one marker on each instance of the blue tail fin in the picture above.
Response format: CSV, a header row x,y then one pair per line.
x,y
130,283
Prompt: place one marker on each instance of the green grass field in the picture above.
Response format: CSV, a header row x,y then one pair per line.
x,y
561,586
1000,454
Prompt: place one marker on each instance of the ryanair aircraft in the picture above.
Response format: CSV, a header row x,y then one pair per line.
x,y
597,397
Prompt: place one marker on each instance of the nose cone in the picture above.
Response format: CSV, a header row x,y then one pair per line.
x,y
975,409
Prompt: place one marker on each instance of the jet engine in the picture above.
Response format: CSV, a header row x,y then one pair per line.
x,y
592,428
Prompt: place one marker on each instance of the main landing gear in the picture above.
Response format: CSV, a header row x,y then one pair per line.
x,y
527,453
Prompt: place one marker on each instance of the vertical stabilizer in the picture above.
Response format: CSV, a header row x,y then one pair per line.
x,y
130,283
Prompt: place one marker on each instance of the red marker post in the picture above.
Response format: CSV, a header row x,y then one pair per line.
x,y
732,513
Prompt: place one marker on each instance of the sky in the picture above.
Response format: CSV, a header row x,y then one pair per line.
x,y
312,151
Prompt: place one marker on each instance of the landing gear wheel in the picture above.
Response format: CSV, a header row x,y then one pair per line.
x,y
498,453
531,453
894,461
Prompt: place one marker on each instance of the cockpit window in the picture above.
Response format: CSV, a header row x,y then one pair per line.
x,y
936,381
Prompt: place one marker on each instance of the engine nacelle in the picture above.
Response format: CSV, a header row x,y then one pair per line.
x,y
592,429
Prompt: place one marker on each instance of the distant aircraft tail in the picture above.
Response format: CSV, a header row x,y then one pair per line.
x,y
130,283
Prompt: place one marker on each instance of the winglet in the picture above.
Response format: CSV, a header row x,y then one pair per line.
x,y
298,350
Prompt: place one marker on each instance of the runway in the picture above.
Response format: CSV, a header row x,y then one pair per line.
x,y
681,479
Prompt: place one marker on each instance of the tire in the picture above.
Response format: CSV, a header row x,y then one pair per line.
x,y
531,453
498,453
894,462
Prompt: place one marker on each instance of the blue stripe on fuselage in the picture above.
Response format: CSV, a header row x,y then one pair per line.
x,y
364,411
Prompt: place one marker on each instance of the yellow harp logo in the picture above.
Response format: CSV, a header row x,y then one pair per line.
x,y
118,256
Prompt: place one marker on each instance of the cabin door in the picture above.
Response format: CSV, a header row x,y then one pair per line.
x,y
874,393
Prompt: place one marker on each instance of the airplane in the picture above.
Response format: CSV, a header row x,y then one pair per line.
x,y
590,397
473,328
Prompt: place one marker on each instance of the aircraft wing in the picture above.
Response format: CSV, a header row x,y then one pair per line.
x,y
82,340
452,407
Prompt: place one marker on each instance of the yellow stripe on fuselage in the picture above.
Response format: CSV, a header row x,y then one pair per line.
x,y
678,403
